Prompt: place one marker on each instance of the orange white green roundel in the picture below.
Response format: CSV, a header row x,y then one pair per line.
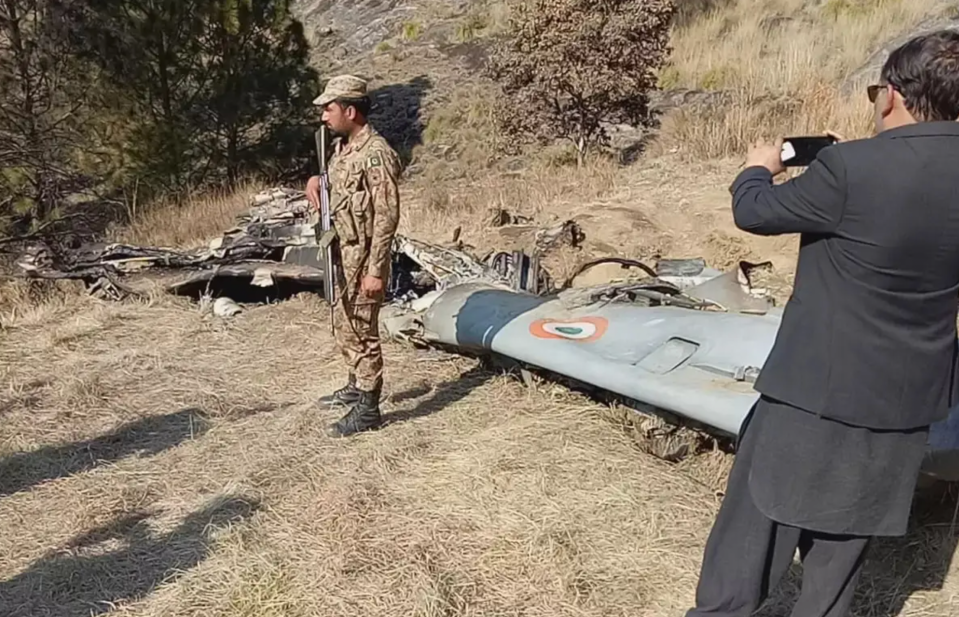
x,y
584,329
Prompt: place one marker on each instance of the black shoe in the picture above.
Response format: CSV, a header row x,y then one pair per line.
x,y
364,416
346,396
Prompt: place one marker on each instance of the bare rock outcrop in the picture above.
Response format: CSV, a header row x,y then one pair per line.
x,y
869,71
345,27
341,29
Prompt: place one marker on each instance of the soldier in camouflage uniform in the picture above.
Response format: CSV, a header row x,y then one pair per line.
x,y
364,203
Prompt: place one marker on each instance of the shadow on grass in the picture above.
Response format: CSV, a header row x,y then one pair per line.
x,y
396,114
445,394
123,561
143,437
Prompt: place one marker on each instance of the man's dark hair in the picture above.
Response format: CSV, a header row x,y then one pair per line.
x,y
362,105
925,71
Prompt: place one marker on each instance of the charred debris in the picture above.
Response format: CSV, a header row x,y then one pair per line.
x,y
272,253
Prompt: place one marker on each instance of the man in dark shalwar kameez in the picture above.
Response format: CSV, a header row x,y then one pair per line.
x,y
865,358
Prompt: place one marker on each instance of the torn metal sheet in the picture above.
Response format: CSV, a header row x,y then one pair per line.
x,y
733,291
685,273
278,229
258,274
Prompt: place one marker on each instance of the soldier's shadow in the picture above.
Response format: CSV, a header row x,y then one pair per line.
x,y
896,568
122,561
443,396
396,114
145,436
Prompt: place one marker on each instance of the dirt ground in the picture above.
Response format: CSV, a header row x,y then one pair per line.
x,y
156,460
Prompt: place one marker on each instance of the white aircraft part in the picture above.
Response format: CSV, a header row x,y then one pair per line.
x,y
695,364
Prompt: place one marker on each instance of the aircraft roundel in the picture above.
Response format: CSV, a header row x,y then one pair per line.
x,y
583,329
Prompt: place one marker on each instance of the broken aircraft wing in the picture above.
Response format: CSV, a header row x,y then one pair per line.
x,y
677,351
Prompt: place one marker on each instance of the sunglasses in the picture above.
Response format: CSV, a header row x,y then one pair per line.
x,y
873,91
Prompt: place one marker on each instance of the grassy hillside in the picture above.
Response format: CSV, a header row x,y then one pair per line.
x,y
781,65
784,62
157,461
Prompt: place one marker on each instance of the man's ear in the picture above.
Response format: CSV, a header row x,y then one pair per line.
x,y
891,97
350,112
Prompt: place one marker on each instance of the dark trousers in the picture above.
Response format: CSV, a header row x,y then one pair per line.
x,y
747,555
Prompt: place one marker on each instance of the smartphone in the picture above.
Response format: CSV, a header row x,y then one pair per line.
x,y
801,151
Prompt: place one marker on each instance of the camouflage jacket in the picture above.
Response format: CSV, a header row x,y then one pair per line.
x,y
365,200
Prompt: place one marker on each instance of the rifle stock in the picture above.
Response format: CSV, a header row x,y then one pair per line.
x,y
326,223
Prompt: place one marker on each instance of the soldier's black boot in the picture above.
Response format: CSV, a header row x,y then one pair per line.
x,y
364,416
346,396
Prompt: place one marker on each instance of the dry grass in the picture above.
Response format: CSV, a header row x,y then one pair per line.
x,y
782,61
542,191
783,46
728,131
23,301
158,461
178,225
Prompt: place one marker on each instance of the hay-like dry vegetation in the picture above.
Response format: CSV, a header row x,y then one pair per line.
x,y
185,223
158,461
783,63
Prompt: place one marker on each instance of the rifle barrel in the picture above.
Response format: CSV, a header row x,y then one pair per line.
x,y
326,219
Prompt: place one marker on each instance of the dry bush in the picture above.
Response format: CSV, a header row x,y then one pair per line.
x,y
566,66
723,131
782,61
31,301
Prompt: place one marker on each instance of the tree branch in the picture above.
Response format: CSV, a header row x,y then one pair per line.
x,y
41,231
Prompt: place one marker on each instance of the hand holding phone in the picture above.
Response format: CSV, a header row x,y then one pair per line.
x,y
802,151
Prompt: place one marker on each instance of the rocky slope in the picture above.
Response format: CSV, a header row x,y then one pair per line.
x,y
421,54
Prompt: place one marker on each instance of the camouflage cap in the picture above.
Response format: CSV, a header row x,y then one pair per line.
x,y
341,87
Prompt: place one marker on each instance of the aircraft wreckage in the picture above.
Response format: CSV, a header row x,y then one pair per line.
x,y
684,341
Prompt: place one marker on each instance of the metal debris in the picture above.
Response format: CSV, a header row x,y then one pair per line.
x,y
269,244
273,249
679,337
225,307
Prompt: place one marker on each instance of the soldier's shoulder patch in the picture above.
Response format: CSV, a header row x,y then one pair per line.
x,y
376,175
374,160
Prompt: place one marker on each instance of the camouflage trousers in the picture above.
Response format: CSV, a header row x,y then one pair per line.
x,y
356,321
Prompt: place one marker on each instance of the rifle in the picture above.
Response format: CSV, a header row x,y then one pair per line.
x,y
326,224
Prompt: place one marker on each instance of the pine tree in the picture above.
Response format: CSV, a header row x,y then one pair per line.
x,y
215,88
40,97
